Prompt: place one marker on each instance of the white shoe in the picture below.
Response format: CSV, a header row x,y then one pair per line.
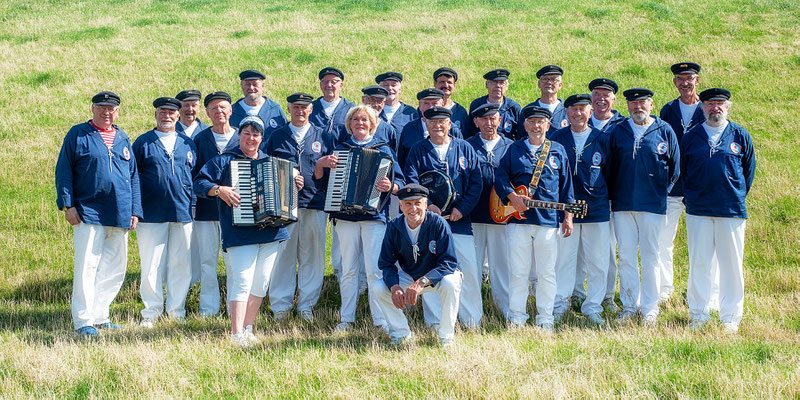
x,y
307,315
251,338
147,323
650,320
546,327
696,324
399,341
730,327
596,319
240,340
446,342
280,315
343,327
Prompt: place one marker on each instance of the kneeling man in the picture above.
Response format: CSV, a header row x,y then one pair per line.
x,y
420,242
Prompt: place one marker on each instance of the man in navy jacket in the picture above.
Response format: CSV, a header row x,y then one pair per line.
x,y
301,263
420,242
395,112
328,111
189,124
458,160
644,165
550,82
255,103
719,160
417,130
97,186
497,86
165,159
445,80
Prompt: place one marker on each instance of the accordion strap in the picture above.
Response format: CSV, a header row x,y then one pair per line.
x,y
537,173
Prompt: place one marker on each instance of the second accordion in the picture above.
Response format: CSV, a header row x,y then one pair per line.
x,y
351,186
268,192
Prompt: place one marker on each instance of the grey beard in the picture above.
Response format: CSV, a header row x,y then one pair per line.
x,y
639,117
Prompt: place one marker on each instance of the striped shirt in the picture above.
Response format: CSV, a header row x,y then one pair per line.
x,y
108,135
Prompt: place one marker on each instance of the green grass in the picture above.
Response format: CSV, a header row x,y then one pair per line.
x,y
57,54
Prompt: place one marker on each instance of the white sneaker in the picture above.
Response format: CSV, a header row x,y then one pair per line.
x,y
730,327
280,315
696,324
251,338
307,315
446,342
596,319
240,340
399,341
343,327
650,320
147,323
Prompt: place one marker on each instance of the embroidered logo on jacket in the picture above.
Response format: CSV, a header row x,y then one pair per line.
x,y
597,158
432,246
661,148
273,123
190,156
507,126
554,162
126,154
736,148
462,162
316,147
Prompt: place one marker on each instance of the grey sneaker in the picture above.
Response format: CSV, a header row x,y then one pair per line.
x,y
610,305
307,315
280,315
399,341
251,338
546,327
625,317
558,315
696,324
445,342
240,340
649,320
596,319
343,327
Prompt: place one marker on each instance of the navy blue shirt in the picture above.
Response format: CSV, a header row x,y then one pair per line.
x,y
415,132
218,172
460,117
558,119
270,112
671,114
101,183
588,174
401,117
461,165
316,144
165,178
716,183
488,163
333,125
435,251
201,126
206,209
516,169
640,178
510,113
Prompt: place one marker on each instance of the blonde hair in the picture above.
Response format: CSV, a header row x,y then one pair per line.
x,y
372,115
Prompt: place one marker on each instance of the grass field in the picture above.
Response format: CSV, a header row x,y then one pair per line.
x,y
56,54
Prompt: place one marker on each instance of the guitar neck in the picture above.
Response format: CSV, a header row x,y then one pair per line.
x,y
550,205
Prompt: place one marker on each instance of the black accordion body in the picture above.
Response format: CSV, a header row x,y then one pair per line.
x,y
268,191
351,185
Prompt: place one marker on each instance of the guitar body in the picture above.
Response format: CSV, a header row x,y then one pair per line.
x,y
501,212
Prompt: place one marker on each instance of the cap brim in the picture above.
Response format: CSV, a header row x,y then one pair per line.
x,y
579,103
414,197
106,103
169,107
302,102
606,87
717,98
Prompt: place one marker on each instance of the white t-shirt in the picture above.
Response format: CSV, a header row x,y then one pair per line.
x,y
489,145
599,123
441,150
533,148
551,107
714,132
413,234
687,110
390,110
639,130
298,134
167,139
222,140
329,107
189,130
363,142
580,139
251,110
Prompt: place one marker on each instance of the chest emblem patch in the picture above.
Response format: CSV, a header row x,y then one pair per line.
x,y
661,148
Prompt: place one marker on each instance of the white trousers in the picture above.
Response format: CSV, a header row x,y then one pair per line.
x,y
336,260
585,247
166,261
359,242
207,240
250,269
637,234
666,244
491,243
194,249
301,263
611,276
524,238
723,238
101,259
448,290
470,308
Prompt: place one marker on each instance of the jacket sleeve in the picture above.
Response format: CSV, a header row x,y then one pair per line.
x,y
410,169
136,192
446,262
674,160
748,160
502,178
469,200
64,176
208,177
387,261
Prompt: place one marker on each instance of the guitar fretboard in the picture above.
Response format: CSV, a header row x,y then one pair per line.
x,y
545,204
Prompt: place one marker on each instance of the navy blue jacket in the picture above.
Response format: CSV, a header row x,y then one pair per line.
x,y
588,175
436,253
271,113
463,168
641,182
413,133
510,112
609,126
165,179
403,116
218,172
460,117
383,133
516,168
716,185
316,145
102,184
201,126
671,114
334,125
488,162
382,216
558,119
206,209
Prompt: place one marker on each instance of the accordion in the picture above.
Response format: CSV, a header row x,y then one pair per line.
x,y
268,192
351,186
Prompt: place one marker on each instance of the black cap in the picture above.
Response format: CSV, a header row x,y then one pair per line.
x,y
578,100
437,113
715,94
394,76
167,102
485,110
214,96
106,98
685,68
251,74
412,191
534,111
188,95
446,72
331,71
603,83
497,75
430,93
549,69
637,94
300,98
375,91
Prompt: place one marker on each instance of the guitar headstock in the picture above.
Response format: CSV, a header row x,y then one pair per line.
x,y
578,209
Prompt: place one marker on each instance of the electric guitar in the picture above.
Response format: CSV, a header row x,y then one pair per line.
x,y
501,213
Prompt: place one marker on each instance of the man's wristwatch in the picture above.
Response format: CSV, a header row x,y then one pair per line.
x,y
216,190
425,281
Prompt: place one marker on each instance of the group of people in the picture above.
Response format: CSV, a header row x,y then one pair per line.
x,y
635,175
